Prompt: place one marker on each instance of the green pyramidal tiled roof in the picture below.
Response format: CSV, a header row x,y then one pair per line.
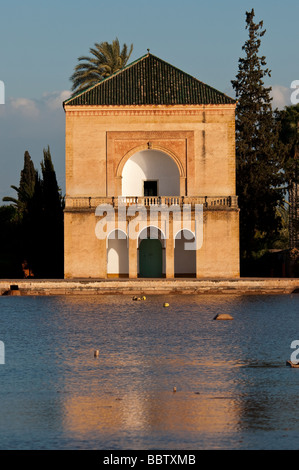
x,y
149,81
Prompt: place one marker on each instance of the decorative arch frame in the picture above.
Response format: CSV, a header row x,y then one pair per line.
x,y
152,146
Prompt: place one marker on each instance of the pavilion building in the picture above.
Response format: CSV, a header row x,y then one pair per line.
x,y
151,177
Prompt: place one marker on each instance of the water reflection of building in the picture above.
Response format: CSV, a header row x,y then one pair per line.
x,y
154,136
122,407
152,414
127,393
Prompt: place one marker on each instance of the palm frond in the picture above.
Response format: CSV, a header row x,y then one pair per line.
x,y
105,60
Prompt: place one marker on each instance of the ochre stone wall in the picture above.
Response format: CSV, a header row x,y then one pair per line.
x,y
219,254
200,139
84,253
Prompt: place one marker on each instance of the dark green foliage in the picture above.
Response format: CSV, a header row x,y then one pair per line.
x,y
48,260
259,176
289,133
27,180
38,220
10,254
289,136
25,190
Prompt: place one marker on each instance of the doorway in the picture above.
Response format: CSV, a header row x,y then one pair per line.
x,y
150,188
150,258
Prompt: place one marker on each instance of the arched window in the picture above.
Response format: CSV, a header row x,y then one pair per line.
x,y
150,173
117,254
185,254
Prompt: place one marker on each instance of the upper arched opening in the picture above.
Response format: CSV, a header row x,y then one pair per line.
x,y
150,173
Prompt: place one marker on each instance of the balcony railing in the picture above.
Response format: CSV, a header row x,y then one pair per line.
x,y
84,202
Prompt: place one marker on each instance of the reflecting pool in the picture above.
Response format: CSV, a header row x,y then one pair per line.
x,y
233,387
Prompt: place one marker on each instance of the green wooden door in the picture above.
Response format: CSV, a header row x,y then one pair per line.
x,y
150,258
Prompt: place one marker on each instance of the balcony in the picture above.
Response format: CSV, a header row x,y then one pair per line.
x,y
208,202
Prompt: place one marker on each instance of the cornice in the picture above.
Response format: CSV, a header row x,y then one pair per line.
x,y
148,110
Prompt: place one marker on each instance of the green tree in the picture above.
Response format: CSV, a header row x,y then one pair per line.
x,y
46,223
289,134
10,252
258,149
18,225
106,59
288,119
25,190
38,220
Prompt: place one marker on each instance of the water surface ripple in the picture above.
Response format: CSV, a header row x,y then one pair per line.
x,y
233,388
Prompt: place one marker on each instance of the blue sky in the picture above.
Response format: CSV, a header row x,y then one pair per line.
x,y
40,42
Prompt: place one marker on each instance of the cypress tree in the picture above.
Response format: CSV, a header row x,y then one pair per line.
x,y
27,180
33,225
25,190
39,219
22,251
51,221
257,148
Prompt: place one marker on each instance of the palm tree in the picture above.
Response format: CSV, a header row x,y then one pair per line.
x,y
106,59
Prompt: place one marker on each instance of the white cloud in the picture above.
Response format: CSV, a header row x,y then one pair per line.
x,y
281,96
34,108
24,106
31,124
53,100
